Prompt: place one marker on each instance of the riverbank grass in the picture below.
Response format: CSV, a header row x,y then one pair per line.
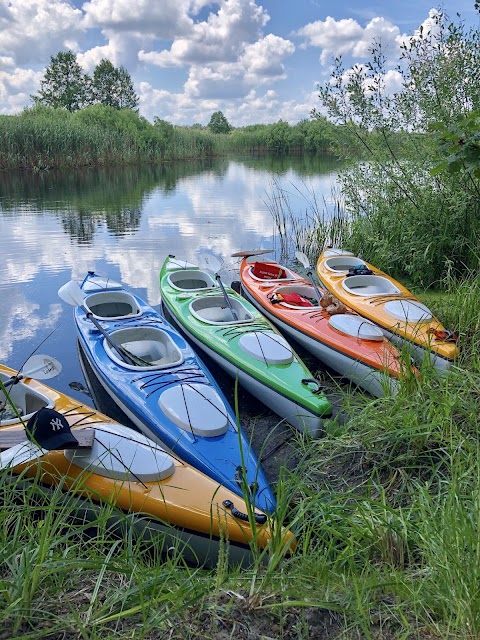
x,y
386,509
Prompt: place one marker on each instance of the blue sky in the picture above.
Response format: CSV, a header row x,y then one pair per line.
x,y
256,61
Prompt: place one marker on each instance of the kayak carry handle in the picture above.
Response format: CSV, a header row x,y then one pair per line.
x,y
260,518
319,388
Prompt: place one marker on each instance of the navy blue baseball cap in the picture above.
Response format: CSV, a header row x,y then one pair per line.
x,y
49,429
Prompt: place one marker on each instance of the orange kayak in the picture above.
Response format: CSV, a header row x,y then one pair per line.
x,y
376,296
125,469
347,343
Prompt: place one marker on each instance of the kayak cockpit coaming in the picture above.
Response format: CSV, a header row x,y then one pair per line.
x,y
191,280
302,289
25,399
214,310
270,272
151,348
112,305
369,285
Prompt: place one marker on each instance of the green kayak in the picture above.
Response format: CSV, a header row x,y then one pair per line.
x,y
244,343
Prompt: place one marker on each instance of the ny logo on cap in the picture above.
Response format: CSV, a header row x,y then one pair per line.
x,y
56,424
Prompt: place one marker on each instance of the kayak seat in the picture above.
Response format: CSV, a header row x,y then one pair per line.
x,y
342,263
305,292
191,280
214,310
369,286
269,271
112,305
153,347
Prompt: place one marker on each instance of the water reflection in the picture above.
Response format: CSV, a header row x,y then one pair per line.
x,y
123,223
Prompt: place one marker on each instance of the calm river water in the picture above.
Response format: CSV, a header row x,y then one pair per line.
x,y
123,223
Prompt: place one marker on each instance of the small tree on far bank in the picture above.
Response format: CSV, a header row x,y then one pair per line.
x,y
113,87
218,123
64,84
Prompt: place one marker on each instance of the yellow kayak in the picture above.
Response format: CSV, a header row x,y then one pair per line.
x,y
125,469
378,297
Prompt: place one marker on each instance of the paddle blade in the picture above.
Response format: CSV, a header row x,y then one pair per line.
x,y
71,294
301,257
41,367
209,262
252,252
20,454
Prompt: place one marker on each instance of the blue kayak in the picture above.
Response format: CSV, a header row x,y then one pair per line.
x,y
158,381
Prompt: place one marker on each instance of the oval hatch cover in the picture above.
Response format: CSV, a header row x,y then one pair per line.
x,y
196,408
269,347
356,327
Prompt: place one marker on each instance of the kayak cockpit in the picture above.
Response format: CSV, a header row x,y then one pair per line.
x,y
112,305
342,263
270,271
149,347
369,286
215,310
295,296
25,399
191,280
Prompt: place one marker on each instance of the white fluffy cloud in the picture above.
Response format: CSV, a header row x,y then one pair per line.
x,y
161,19
259,63
34,30
348,37
221,38
16,86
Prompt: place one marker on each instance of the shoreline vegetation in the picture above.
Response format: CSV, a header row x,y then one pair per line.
x,y
43,138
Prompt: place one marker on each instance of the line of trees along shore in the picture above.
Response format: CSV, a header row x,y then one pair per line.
x,y
80,120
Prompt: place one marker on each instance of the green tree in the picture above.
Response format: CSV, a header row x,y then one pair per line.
x,y
64,85
113,87
218,123
414,206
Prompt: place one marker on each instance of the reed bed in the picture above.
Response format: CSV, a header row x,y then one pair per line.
x,y
43,138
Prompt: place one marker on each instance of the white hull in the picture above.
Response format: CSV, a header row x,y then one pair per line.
x,y
418,352
377,383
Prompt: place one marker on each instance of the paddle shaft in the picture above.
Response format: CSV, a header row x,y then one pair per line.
x,y
227,299
317,290
13,380
124,356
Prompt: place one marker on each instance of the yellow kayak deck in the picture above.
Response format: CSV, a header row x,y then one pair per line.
x,y
382,299
186,499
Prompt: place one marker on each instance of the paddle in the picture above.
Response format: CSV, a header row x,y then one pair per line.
x,y
212,264
38,367
251,252
301,257
73,295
